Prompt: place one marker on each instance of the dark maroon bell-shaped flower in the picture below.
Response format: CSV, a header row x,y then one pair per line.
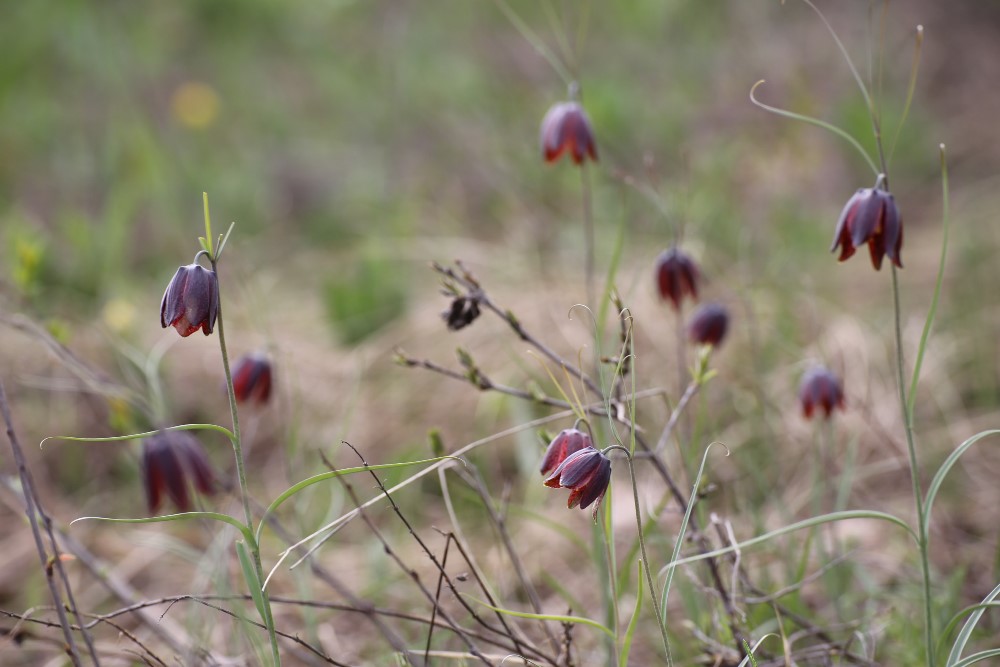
x,y
169,460
709,324
191,301
567,128
820,390
568,442
871,217
252,377
587,474
676,277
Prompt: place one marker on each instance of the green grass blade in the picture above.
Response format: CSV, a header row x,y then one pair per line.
x,y
136,436
963,637
939,476
557,618
250,576
807,523
183,516
634,621
932,312
683,529
322,477
978,657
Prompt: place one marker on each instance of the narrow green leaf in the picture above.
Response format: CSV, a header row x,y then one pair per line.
x,y
634,621
978,657
253,583
558,618
315,479
963,637
945,468
932,311
215,516
683,529
807,523
135,436
208,226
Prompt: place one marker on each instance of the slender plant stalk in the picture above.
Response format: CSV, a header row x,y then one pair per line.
x,y
213,250
586,195
914,474
645,559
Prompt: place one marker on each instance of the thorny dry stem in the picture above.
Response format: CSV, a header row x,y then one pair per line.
x,y
459,631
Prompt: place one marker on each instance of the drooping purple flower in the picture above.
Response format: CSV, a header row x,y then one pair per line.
x,y
676,277
587,474
191,300
567,442
566,127
252,378
169,460
820,390
709,324
871,217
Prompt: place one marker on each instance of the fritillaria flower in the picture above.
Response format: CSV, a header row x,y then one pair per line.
x,y
871,217
567,442
709,324
191,300
169,460
820,390
462,312
567,128
587,474
252,377
676,277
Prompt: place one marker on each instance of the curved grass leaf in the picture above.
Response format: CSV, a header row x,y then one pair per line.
x,y
978,657
322,477
955,655
807,523
948,464
634,621
136,436
558,618
215,516
250,575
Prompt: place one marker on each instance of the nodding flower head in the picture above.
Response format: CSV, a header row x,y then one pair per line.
x,y
820,390
676,277
462,312
567,128
252,378
709,324
191,300
568,442
871,217
587,474
169,458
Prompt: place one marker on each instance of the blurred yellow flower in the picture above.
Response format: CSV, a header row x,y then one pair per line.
x,y
195,105
118,315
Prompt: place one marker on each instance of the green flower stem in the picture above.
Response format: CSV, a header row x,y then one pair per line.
x,y
586,195
645,559
240,467
914,472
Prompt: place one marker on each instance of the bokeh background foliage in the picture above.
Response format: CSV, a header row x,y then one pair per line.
x,y
352,142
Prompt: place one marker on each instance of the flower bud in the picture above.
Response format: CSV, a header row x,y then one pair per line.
x,y
462,312
587,474
252,377
567,442
191,300
708,325
169,458
676,277
871,217
820,390
567,128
